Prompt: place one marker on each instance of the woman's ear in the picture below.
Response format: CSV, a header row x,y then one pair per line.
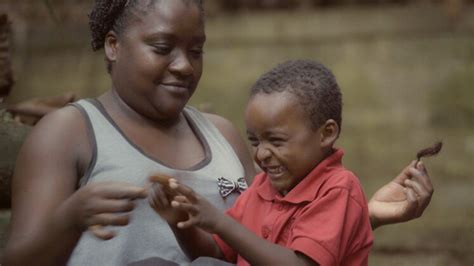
x,y
111,46
329,133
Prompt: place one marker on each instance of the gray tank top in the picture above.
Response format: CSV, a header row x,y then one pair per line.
x,y
116,158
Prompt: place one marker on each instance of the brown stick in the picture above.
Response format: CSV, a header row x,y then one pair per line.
x,y
428,152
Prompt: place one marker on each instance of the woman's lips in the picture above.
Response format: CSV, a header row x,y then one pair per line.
x,y
176,89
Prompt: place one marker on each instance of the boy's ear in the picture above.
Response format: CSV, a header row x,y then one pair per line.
x,y
111,46
329,133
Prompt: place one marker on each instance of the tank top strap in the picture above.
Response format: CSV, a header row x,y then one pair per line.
x,y
220,148
106,138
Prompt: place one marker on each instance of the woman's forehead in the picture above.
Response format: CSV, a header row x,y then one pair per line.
x,y
172,17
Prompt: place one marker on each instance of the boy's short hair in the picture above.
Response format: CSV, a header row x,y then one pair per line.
x,y
311,82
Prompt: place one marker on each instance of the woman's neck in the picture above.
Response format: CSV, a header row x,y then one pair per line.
x,y
116,106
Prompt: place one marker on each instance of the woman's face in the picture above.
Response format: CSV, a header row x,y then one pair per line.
x,y
158,59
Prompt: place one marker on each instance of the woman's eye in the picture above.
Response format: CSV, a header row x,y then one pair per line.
x,y
162,49
197,52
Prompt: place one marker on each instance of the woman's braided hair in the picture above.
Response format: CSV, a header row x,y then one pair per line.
x,y
115,15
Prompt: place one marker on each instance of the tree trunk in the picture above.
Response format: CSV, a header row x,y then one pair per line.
x,y
6,76
12,136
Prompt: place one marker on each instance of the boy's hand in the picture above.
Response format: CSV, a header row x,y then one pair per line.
x,y
160,199
200,212
403,199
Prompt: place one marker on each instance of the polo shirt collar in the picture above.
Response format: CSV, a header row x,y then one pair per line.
x,y
309,186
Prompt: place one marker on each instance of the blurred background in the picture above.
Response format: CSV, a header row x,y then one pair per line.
x,y
406,69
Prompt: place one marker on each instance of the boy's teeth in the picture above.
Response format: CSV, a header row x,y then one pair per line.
x,y
275,170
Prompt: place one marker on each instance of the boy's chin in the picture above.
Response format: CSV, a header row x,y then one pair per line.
x,y
283,189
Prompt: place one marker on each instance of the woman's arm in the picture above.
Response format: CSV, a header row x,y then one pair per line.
x,y
403,199
45,176
48,214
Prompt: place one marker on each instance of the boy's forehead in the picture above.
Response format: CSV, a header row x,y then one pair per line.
x,y
273,109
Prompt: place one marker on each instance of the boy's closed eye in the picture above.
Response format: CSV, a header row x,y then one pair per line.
x,y
277,141
253,141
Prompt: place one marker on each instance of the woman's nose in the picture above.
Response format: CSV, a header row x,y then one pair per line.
x,y
181,65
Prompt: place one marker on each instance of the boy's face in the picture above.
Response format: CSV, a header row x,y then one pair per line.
x,y
285,145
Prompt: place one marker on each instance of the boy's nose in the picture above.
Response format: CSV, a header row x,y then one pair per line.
x,y
262,153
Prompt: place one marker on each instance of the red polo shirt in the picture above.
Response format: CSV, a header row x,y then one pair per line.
x,y
325,216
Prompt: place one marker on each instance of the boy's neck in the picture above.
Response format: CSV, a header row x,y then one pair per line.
x,y
326,153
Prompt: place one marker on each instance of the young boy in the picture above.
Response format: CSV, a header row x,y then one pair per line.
x,y
305,208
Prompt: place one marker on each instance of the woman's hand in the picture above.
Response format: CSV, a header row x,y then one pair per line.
x,y
100,204
403,199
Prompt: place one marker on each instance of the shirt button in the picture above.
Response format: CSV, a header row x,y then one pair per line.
x,y
265,232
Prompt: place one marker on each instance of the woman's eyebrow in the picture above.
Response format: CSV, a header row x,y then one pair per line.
x,y
159,35
162,35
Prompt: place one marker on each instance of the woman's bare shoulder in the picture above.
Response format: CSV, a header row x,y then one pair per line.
x,y
232,135
60,135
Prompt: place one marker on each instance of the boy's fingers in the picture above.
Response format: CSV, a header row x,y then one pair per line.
x,y
160,194
186,224
183,206
181,199
412,203
421,167
422,177
419,189
184,190
405,174
423,196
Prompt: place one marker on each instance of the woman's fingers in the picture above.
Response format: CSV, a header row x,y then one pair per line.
x,y
121,191
101,233
109,219
113,205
